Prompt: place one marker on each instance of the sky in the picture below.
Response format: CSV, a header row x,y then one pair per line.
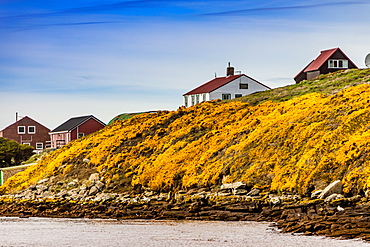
x,y
62,59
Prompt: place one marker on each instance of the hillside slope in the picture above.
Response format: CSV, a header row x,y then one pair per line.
x,y
294,144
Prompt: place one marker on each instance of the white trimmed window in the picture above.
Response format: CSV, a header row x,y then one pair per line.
x,y
243,85
81,135
197,98
31,129
21,129
204,97
186,98
193,100
238,95
337,64
226,96
26,143
39,145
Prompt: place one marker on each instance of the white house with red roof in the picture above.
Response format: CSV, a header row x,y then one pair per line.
x,y
229,87
328,61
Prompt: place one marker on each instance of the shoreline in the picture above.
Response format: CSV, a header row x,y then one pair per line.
x,y
346,218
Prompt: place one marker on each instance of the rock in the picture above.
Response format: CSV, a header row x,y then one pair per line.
x,y
236,185
41,188
99,185
254,192
367,193
333,188
72,184
274,199
86,160
240,192
32,187
93,191
94,177
102,197
316,194
62,193
339,208
333,197
43,181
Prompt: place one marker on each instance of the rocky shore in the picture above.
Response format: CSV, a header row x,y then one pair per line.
x,y
327,213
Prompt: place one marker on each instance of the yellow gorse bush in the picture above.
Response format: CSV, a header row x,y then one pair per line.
x,y
296,145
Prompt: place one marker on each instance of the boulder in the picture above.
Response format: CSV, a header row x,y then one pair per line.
x,y
240,192
367,193
333,188
99,185
233,186
254,192
93,191
94,177
41,188
316,194
72,184
43,181
333,197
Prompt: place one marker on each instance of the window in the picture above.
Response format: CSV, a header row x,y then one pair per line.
x,y
204,97
81,135
193,100
31,129
186,98
338,64
21,130
238,95
197,97
26,143
243,85
226,96
39,145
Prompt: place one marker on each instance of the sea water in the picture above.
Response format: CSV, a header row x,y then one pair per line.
x,y
98,232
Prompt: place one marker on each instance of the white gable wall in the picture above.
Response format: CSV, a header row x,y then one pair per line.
x,y
233,88
190,100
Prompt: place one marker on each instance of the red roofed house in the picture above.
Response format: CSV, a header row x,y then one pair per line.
x,y
328,61
228,87
74,128
28,131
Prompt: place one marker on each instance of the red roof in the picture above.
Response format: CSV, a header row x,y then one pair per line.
x,y
217,83
323,57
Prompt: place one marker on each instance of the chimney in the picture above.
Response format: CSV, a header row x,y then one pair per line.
x,y
229,70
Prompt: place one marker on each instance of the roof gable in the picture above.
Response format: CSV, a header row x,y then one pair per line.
x,y
22,120
323,57
217,83
72,123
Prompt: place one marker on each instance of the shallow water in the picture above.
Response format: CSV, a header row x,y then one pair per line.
x,y
91,232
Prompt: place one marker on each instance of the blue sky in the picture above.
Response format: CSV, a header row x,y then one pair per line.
x,y
60,59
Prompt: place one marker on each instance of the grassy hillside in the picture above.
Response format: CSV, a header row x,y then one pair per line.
x,y
303,138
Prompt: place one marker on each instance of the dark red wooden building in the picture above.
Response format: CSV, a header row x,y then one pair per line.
x,y
328,61
74,128
28,131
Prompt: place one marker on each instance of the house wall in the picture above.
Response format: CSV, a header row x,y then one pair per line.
x,y
189,99
312,74
233,88
324,69
41,134
88,127
59,139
